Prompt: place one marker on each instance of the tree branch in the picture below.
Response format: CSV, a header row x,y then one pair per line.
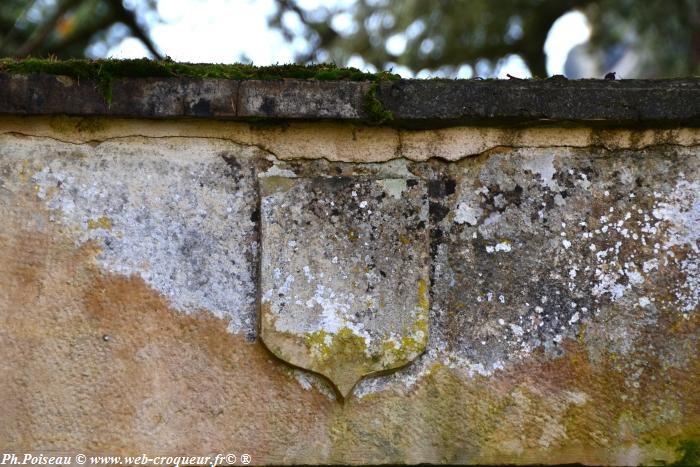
x,y
128,17
36,39
84,34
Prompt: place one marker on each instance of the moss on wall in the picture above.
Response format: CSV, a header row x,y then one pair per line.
x,y
374,108
112,68
105,71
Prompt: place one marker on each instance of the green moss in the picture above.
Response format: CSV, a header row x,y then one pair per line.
x,y
110,68
689,452
105,71
374,108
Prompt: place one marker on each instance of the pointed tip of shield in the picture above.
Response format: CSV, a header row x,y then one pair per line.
x,y
344,383
345,390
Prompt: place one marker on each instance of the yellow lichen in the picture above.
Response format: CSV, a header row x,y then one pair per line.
x,y
274,184
102,222
423,300
317,341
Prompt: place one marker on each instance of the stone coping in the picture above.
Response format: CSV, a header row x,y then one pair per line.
x,y
412,103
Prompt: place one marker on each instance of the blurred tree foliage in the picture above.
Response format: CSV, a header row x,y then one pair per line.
x,y
446,34
439,35
66,28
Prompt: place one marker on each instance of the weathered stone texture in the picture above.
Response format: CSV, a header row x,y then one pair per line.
x,y
179,215
563,289
412,103
421,103
534,247
344,273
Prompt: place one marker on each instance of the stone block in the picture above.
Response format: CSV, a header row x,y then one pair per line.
x,y
344,275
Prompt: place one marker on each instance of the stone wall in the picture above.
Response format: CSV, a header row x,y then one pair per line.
x,y
314,292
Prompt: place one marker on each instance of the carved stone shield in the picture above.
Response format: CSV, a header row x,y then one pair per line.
x,y
344,274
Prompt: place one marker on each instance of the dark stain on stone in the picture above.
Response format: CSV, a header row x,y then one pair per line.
x,y
508,198
268,106
437,211
233,164
337,184
202,108
590,172
434,188
441,188
450,186
514,196
436,237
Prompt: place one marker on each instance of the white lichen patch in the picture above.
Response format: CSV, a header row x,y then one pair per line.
x,y
309,381
680,213
669,234
276,171
542,164
467,213
393,186
504,247
334,309
176,213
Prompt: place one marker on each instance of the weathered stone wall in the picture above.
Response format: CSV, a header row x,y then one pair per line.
x,y
496,295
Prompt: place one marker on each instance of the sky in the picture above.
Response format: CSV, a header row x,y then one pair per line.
x,y
225,31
